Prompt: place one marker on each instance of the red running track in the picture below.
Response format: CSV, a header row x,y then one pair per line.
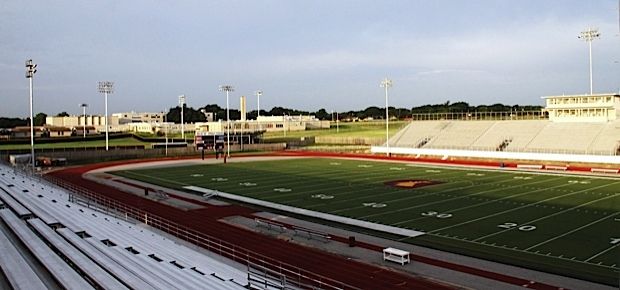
x,y
350,272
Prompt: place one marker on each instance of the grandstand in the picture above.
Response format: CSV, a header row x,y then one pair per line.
x,y
570,134
512,136
526,139
50,240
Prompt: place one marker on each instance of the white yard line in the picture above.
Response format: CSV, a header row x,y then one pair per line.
x,y
153,177
517,208
486,202
572,231
523,251
602,252
552,215
316,214
465,196
418,196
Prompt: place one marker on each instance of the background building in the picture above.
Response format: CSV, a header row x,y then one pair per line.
x,y
583,108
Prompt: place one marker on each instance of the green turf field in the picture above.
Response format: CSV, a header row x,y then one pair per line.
x,y
77,144
371,129
556,223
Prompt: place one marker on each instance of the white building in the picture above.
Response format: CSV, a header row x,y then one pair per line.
x,y
265,123
133,117
583,108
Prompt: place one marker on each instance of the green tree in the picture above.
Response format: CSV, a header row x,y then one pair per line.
x,y
39,119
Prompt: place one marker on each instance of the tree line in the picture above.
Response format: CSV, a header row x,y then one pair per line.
x,y
192,115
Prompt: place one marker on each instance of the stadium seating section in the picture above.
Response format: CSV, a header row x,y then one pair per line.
x,y
48,242
512,136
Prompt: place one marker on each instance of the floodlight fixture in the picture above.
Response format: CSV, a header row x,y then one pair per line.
x,y
227,89
31,69
387,83
588,36
106,87
84,106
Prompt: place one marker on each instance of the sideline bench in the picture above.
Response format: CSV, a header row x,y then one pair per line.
x,y
270,225
530,166
311,234
396,255
604,170
553,167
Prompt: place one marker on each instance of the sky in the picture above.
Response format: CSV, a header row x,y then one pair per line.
x,y
306,54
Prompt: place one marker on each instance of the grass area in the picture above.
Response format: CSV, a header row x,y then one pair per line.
x,y
556,223
357,129
78,144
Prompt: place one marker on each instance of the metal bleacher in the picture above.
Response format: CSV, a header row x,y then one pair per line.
x,y
19,274
460,134
84,248
540,136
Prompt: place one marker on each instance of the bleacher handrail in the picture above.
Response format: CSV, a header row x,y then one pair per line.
x,y
294,275
485,116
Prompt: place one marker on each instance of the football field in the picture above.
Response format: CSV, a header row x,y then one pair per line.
x,y
552,222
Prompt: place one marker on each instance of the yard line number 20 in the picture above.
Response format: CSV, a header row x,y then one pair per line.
x,y
523,228
437,215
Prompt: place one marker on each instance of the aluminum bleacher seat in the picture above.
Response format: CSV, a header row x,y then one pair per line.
x,y
151,246
16,269
22,194
61,271
87,266
561,137
154,262
608,140
460,134
134,280
19,209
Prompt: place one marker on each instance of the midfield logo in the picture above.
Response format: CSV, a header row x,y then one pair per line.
x,y
412,183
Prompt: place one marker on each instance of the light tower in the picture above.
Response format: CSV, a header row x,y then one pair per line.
x,y
227,89
589,35
258,94
84,106
182,103
31,69
387,83
106,88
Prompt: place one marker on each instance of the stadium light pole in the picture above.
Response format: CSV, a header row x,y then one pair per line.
x,y
387,83
589,35
182,103
337,123
227,89
106,87
31,69
258,94
165,132
84,106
